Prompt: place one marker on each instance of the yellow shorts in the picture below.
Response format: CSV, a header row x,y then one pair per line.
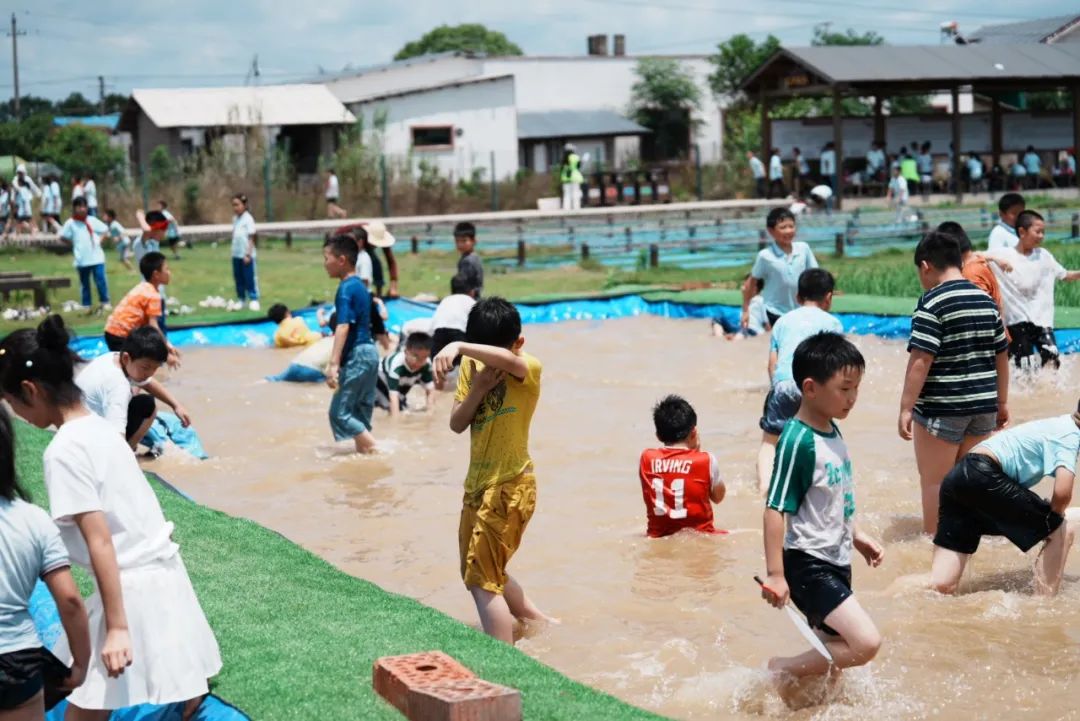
x,y
491,528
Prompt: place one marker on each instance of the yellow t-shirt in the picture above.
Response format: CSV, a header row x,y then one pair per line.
x,y
293,332
500,429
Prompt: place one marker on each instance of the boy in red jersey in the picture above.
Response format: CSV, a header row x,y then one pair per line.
x,y
678,480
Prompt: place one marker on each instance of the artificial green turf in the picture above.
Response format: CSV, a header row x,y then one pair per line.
x,y
298,637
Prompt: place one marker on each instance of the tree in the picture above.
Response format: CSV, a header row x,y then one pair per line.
x,y
467,37
76,104
28,105
736,59
26,137
663,99
78,149
823,35
116,102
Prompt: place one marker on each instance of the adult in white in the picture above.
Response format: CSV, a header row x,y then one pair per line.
x,y
1027,291
90,191
243,252
332,191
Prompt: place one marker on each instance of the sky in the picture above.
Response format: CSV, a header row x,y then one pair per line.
x,y
152,44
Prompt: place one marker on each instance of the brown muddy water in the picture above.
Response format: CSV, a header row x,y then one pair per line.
x,y
674,625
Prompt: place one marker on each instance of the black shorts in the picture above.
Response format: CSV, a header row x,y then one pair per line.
x,y
817,586
54,216
24,218
332,201
773,317
443,337
24,673
978,499
141,407
113,342
1027,339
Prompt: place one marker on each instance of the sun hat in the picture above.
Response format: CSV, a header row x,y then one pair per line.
x,y
378,235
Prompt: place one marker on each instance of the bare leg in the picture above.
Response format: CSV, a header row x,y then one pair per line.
x,y
138,435
33,709
495,616
765,457
519,604
934,458
365,442
1051,561
858,643
946,569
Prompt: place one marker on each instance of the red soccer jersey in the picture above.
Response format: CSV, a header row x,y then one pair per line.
x,y
675,485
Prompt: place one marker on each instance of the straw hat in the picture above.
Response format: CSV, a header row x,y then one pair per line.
x,y
378,235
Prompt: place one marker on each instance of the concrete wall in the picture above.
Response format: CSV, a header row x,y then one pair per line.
x,y
483,113
148,136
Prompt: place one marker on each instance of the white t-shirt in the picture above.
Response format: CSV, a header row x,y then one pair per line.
x,y
78,191
821,192
1002,236
85,238
242,230
89,467
898,186
332,189
364,269
1027,291
90,190
828,162
106,390
30,547
453,312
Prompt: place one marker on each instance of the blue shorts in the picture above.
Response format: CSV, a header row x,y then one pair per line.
x,y
354,401
296,373
781,405
954,429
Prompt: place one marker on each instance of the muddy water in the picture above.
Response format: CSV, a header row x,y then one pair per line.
x,y
674,625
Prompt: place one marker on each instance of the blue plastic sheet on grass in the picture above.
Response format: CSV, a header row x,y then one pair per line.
x,y
260,334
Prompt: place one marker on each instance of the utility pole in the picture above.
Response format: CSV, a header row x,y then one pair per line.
x,y
101,94
14,34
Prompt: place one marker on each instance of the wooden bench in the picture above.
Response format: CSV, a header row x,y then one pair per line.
x,y
27,282
9,274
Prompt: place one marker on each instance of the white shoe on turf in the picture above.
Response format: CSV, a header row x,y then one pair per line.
x,y
254,305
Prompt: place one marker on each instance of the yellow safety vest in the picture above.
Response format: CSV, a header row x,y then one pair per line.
x,y
571,173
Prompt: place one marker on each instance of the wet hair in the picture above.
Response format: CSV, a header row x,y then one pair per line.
x,y
145,342
110,213
418,341
940,250
79,202
1026,219
465,229
1010,201
951,227
344,246
460,285
151,263
823,355
815,284
277,312
674,419
40,355
493,321
776,215
9,478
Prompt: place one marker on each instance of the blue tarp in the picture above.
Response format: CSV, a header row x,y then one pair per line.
x,y
261,334
167,427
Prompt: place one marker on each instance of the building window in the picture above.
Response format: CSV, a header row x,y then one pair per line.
x,y
433,137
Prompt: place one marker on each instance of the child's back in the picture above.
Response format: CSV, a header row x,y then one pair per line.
x,y
793,328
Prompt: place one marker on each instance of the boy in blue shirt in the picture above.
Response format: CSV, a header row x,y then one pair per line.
x,y
83,233
810,318
989,493
354,362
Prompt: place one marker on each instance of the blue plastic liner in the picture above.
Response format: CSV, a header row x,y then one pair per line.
x,y
260,334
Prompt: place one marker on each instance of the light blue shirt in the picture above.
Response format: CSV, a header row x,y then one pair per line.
x,y
30,547
1002,236
1071,161
875,159
792,329
1031,451
757,167
974,168
828,162
143,245
24,198
1032,163
776,168
925,163
781,272
85,238
243,228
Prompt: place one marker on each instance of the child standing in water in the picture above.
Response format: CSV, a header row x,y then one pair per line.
x,y
812,493
32,549
151,642
497,392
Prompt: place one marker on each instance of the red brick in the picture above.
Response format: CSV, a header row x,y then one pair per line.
x,y
464,700
394,676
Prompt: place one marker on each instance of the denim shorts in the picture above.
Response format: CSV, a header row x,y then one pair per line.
x,y
953,429
781,405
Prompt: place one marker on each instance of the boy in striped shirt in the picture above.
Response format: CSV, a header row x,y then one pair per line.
x,y
809,519
957,381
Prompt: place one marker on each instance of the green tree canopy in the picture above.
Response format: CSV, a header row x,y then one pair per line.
x,y
824,35
736,59
76,104
78,149
663,99
469,36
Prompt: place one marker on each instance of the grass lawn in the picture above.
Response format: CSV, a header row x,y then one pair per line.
x,y
883,283
298,637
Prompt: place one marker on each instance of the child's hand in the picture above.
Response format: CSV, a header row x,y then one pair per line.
x,y
116,653
331,376
444,362
1002,417
775,590
75,678
870,549
487,378
173,361
903,423
182,414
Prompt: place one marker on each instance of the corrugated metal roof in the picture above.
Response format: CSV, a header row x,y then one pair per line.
x,y
107,122
575,124
1029,31
869,64
444,85
242,106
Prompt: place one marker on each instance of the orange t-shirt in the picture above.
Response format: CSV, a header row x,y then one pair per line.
x,y
142,303
977,270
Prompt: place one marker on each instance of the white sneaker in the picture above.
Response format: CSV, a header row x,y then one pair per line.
x,y
254,305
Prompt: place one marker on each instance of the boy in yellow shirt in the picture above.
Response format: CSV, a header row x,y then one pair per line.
x,y
496,395
292,332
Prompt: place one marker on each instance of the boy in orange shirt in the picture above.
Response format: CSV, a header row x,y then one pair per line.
x,y
142,306
976,265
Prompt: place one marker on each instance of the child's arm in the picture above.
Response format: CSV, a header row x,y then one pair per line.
x,y
491,356
341,334
116,652
173,361
157,390
870,549
483,381
749,290
774,358
69,604
1072,275
717,492
777,592
429,397
1001,362
395,403
914,378
1063,488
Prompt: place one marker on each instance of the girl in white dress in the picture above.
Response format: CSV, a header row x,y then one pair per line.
x,y
151,642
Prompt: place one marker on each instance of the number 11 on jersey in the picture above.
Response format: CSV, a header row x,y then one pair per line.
x,y
678,498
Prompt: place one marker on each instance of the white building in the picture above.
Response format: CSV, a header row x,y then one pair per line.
x,y
459,110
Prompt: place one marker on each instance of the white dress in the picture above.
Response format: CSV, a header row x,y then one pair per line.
x,y
89,467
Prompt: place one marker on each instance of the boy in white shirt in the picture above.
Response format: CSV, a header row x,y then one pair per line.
x,y
1003,234
90,192
452,314
898,193
84,233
